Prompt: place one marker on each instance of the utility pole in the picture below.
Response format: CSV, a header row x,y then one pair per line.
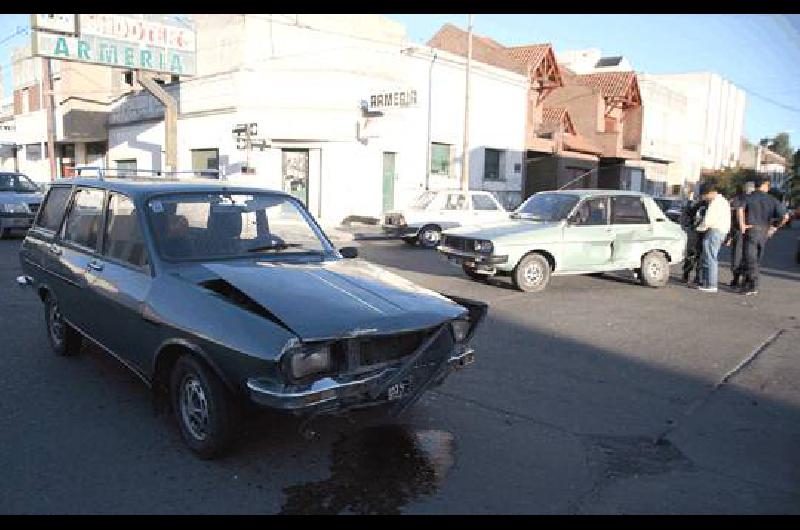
x,y
47,92
170,118
430,100
465,156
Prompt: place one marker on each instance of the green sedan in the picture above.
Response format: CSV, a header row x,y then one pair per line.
x,y
571,232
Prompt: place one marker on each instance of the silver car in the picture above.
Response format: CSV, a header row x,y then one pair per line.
x,y
20,198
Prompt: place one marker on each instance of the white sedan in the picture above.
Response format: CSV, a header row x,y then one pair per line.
x,y
433,211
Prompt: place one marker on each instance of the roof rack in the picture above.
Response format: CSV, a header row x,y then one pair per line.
x,y
152,174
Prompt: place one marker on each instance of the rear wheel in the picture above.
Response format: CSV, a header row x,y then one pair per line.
x,y
64,339
532,273
429,236
655,269
206,412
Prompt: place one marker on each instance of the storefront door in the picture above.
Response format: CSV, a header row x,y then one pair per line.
x,y
388,180
295,173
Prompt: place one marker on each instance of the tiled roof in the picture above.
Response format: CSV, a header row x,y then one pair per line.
x,y
485,50
529,55
553,115
610,84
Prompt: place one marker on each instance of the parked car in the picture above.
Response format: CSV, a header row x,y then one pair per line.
x,y
219,295
672,207
433,211
20,198
571,232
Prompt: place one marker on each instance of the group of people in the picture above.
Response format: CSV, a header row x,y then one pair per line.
x,y
744,223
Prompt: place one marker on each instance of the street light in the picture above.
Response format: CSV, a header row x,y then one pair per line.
x,y
410,51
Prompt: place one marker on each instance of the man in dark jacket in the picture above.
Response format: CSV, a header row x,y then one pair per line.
x,y
735,238
756,220
692,215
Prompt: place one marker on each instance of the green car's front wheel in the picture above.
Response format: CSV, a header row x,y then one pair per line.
x,y
532,273
655,269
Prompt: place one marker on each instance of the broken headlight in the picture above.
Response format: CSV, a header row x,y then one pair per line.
x,y
309,361
460,329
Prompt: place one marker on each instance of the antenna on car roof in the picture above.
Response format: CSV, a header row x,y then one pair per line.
x,y
584,174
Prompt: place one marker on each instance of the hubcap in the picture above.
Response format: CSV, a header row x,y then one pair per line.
x,y
56,325
533,274
655,269
194,407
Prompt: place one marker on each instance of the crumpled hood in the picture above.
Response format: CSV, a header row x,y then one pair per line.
x,y
498,231
338,298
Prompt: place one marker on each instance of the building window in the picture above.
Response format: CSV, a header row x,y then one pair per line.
x,y
492,164
440,159
126,168
206,162
33,151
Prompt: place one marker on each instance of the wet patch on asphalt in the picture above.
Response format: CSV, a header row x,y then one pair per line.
x,y
378,470
631,456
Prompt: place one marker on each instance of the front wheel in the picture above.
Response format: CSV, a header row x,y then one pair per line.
x,y
655,270
64,339
532,273
205,410
430,236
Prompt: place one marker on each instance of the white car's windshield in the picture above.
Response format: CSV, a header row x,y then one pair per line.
x,y
424,200
200,226
546,207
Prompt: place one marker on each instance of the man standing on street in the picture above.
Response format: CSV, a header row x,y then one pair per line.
x,y
715,225
755,219
692,213
735,238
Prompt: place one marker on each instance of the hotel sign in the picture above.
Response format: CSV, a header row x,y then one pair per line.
x,y
123,41
392,99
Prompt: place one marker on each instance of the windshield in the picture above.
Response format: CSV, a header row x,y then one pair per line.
x,y
17,182
546,207
424,200
203,226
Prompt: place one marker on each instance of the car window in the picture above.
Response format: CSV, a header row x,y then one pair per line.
x,y
123,239
456,201
197,226
85,218
482,202
628,210
53,210
546,207
592,212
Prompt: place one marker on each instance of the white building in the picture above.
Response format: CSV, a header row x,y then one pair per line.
x,y
302,79
714,120
7,135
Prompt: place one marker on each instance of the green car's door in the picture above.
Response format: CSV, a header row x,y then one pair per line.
x,y
633,232
587,237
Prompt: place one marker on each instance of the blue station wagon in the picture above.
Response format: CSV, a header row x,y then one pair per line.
x,y
220,296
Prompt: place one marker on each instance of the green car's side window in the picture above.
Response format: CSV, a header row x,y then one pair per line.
x,y
592,212
628,210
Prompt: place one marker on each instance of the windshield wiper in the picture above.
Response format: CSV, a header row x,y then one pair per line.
x,y
284,246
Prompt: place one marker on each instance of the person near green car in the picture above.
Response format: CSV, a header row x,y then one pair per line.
x,y
715,226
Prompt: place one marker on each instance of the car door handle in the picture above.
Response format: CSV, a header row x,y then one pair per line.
x,y
54,249
94,265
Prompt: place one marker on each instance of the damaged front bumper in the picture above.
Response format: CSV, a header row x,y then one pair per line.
x,y
341,394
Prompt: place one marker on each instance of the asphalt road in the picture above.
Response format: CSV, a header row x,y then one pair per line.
x,y
596,396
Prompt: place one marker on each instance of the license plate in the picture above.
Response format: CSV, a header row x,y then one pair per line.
x,y
397,391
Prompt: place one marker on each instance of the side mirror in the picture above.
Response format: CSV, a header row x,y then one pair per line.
x,y
349,252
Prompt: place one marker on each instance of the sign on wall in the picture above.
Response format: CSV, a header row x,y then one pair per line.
x,y
122,41
56,23
389,99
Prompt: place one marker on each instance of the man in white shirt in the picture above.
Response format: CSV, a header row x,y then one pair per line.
x,y
716,224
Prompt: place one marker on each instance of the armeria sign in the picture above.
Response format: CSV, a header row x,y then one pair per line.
x,y
124,42
390,99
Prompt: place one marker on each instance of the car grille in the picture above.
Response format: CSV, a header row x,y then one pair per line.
x,y
458,243
384,349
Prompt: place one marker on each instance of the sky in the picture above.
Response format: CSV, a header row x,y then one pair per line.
x,y
758,53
